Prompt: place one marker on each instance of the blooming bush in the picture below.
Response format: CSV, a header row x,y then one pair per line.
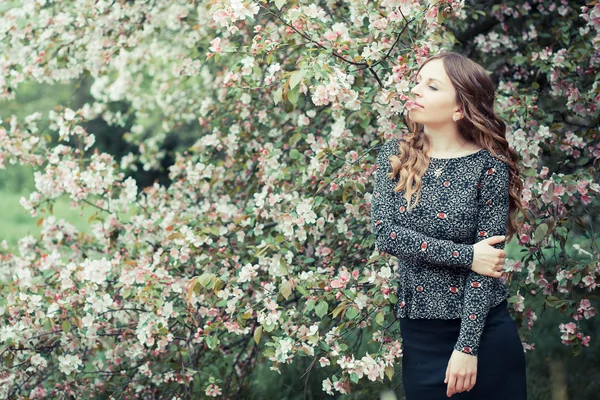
x,y
261,244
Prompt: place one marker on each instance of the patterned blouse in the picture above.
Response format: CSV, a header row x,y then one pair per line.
x,y
433,242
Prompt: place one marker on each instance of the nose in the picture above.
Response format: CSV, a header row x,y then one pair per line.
x,y
415,90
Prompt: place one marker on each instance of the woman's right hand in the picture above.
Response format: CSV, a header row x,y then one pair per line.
x,y
488,260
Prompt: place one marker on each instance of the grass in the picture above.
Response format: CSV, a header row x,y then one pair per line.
x,y
17,223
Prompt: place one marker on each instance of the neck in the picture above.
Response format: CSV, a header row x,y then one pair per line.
x,y
444,140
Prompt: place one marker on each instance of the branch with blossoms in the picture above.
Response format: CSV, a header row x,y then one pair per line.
x,y
262,233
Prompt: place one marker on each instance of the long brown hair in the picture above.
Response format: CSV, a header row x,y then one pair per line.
x,y
475,95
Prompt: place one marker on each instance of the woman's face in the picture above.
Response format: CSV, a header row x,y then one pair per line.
x,y
434,96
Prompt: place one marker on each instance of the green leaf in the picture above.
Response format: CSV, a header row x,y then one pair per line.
x,y
212,342
380,318
270,352
302,290
66,326
303,352
540,232
393,298
351,312
338,310
258,334
221,303
205,279
295,154
555,302
354,377
583,161
278,96
576,278
293,95
48,324
279,3
364,123
283,267
295,139
310,305
296,78
8,358
321,308
513,299
389,372
286,289
246,315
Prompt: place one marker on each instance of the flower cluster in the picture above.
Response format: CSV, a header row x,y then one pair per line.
x,y
260,247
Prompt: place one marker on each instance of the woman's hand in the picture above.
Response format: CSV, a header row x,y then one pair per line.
x,y
461,373
488,260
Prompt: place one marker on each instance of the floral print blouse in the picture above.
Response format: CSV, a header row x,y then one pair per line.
x,y
434,242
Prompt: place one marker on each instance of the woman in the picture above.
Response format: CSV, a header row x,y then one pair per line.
x,y
449,198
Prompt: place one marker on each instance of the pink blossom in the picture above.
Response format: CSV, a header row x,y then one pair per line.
x,y
589,282
528,346
328,387
215,45
337,284
320,96
585,199
586,308
586,341
213,390
520,305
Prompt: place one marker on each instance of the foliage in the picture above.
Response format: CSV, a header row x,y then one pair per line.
x,y
260,246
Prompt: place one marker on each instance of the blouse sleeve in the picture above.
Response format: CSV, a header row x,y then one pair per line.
x,y
493,213
394,238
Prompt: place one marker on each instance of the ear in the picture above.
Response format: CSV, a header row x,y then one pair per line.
x,y
458,113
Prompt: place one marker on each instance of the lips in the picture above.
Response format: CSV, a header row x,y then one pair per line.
x,y
411,104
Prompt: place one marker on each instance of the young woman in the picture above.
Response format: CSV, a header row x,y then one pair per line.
x,y
445,198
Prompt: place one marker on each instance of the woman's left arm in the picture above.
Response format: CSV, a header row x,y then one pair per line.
x,y
493,214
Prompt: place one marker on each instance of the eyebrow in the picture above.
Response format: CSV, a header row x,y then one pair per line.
x,y
432,79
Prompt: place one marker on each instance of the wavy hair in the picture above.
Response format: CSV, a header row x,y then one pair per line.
x,y
475,95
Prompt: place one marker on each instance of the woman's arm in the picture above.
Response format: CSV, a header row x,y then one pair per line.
x,y
402,242
492,220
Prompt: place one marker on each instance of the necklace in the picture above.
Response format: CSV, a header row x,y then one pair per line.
x,y
438,171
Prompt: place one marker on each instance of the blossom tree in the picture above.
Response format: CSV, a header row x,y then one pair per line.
x,y
261,244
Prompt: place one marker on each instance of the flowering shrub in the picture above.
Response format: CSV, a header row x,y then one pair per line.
x,y
261,244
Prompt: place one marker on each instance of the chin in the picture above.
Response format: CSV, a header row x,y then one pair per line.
x,y
417,118
414,117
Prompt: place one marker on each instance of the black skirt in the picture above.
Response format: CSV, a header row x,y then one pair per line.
x,y
428,345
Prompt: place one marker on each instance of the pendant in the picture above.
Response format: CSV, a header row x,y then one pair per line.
x,y
437,172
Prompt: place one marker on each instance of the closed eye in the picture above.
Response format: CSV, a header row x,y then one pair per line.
x,y
431,87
